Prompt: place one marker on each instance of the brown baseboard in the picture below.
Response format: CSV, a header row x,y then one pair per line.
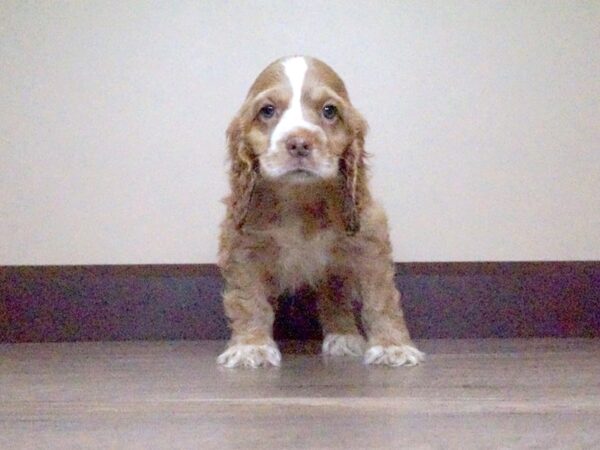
x,y
440,300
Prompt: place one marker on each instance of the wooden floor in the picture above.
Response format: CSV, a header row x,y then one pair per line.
x,y
468,394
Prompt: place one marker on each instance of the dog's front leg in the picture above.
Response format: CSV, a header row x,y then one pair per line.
x,y
389,342
251,320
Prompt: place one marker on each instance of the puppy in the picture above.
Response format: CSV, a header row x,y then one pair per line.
x,y
300,214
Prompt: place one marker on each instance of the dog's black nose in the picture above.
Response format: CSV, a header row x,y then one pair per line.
x,y
299,146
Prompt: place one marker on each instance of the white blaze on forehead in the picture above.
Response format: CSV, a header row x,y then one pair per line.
x,y
295,70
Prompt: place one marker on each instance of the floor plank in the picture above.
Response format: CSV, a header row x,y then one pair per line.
x,y
540,393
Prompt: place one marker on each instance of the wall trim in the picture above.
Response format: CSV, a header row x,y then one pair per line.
x,y
182,301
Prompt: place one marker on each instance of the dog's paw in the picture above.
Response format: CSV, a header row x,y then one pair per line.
x,y
343,344
394,355
245,355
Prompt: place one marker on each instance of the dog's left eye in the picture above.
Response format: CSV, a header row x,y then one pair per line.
x,y
329,112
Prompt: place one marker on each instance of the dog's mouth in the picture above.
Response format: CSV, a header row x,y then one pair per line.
x,y
300,168
300,174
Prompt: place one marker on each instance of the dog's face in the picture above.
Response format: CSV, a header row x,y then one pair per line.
x,y
297,121
296,126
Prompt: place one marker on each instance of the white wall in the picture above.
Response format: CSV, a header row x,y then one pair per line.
x,y
484,122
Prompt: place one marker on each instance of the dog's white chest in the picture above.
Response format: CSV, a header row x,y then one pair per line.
x,y
302,260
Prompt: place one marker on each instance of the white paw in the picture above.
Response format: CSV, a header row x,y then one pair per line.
x,y
244,355
343,344
394,355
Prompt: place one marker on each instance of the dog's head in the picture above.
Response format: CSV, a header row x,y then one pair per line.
x,y
297,125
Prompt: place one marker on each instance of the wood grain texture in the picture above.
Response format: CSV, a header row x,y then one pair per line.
x,y
542,393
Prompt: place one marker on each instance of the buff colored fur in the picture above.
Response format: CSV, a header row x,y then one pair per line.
x,y
329,234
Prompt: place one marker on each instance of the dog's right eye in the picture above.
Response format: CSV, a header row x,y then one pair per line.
x,y
267,111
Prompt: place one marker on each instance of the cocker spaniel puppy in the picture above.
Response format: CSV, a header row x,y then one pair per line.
x,y
300,214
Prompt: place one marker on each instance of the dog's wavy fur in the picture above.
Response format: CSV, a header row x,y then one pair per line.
x,y
327,233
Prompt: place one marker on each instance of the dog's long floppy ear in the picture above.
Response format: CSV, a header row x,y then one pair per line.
x,y
353,170
243,173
